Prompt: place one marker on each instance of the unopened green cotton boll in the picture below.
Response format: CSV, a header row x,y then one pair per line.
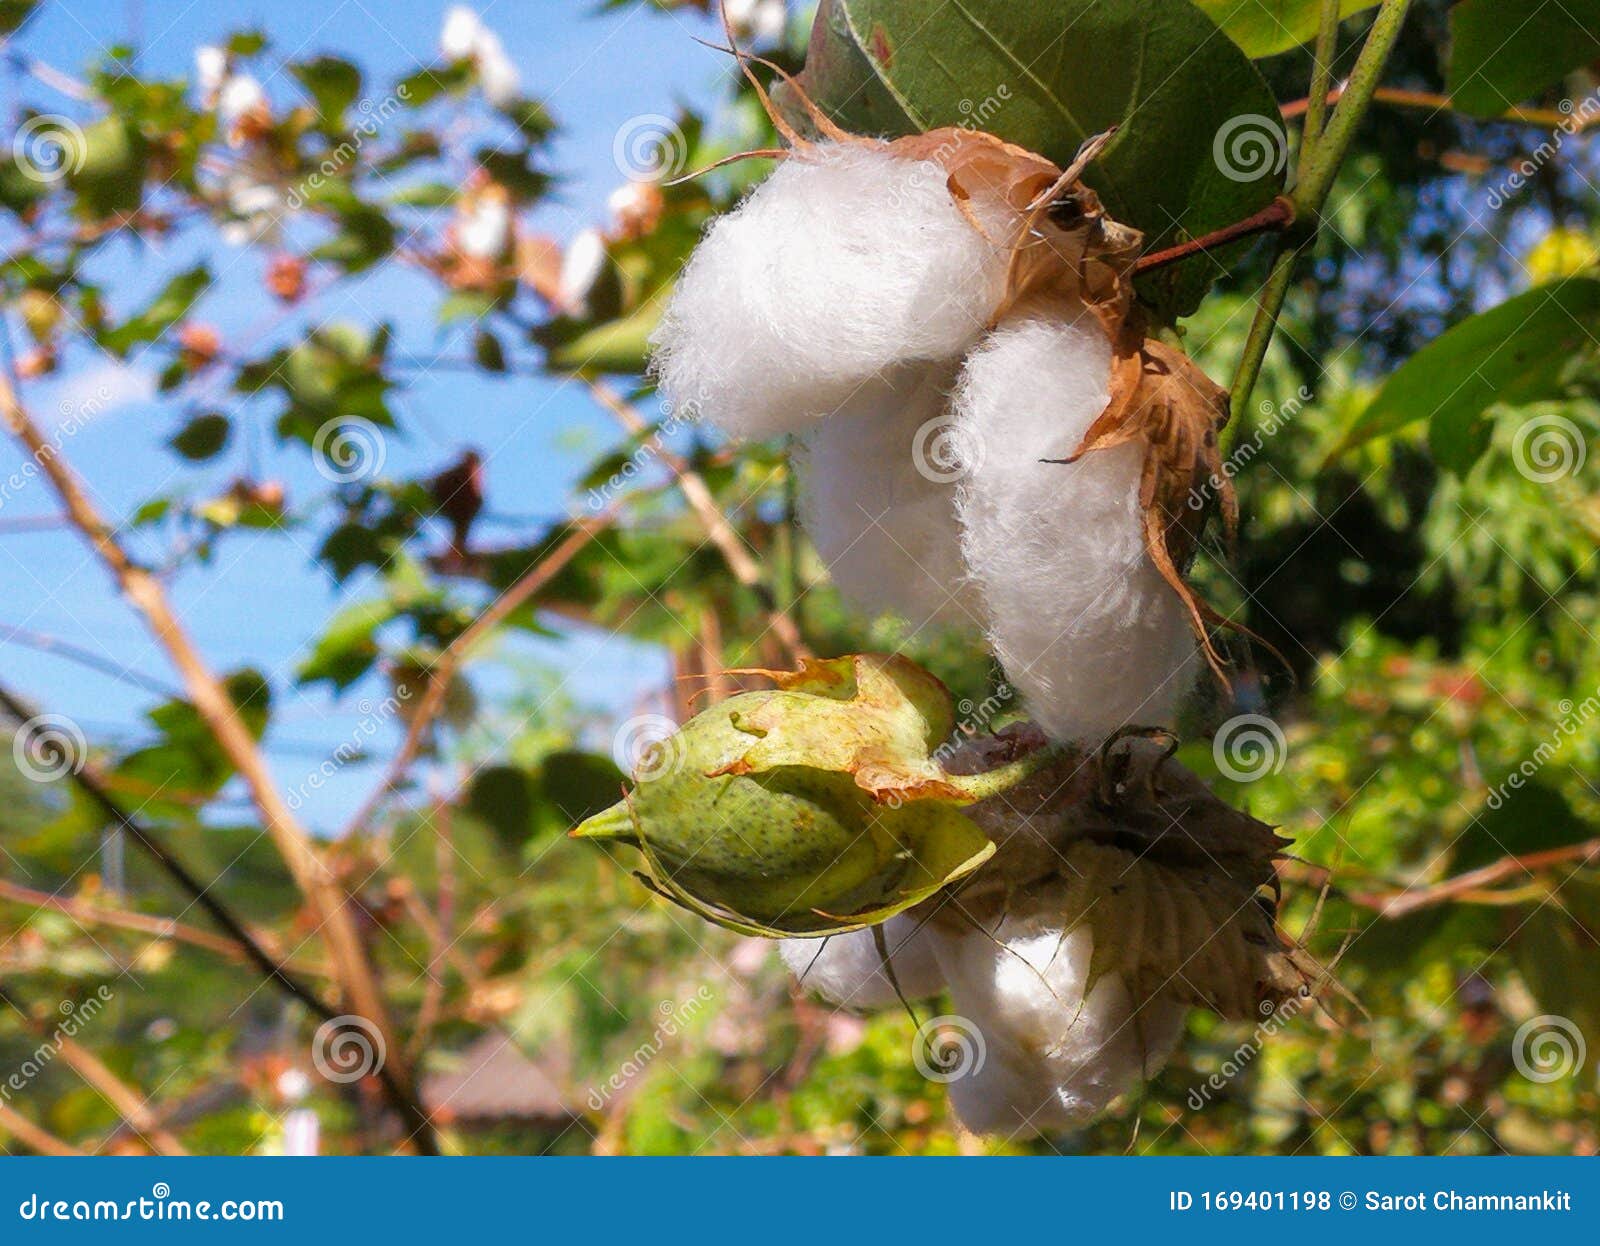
x,y
816,807
848,969
1048,1045
847,261
878,480
1078,614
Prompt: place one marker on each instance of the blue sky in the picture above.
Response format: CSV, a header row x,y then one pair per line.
x,y
261,600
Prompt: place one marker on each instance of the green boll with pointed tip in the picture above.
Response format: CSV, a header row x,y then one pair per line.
x,y
813,808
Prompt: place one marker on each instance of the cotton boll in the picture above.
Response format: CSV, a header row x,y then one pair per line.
x,y
582,266
1051,1057
458,37
1078,614
846,261
848,968
241,96
761,20
497,75
878,500
211,69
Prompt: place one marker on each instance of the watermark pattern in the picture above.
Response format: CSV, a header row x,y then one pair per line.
x,y
674,417
944,452
1573,716
1250,146
1548,1048
674,1016
373,115
48,148
930,171
947,1048
1248,747
349,449
158,1205
73,417
1579,116
49,747
1274,1018
1548,448
348,1048
650,147
1275,416
353,748
647,746
74,1017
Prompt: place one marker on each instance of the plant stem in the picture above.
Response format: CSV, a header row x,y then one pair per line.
x,y
1319,165
1279,214
1004,778
1321,75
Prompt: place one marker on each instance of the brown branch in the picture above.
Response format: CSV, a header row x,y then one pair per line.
x,y
443,671
87,912
128,1102
1471,884
36,1138
328,901
1399,97
718,529
1279,214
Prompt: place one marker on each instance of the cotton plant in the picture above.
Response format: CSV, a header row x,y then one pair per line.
x,y
995,433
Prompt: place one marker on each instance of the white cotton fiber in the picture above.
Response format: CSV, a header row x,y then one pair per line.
x,y
845,262
848,968
1079,616
878,482
1048,1058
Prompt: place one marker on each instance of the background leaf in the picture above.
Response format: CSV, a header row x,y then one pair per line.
x,y
1267,27
1502,51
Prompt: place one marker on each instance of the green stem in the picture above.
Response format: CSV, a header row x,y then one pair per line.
x,y
1322,153
1004,778
1321,76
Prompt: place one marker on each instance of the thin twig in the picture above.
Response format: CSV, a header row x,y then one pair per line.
x,y
89,913
36,1138
443,671
1279,214
719,530
334,914
1473,882
1399,97
129,1104
30,639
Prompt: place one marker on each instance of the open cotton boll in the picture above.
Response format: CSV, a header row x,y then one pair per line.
x,y
878,495
846,261
1078,614
848,968
1050,1057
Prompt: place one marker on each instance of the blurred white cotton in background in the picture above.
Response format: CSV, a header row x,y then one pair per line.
x,y
845,262
1078,614
848,968
877,498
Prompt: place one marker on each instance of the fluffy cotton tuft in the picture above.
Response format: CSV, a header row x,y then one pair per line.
x,y
848,968
845,262
1051,1058
878,496
1079,616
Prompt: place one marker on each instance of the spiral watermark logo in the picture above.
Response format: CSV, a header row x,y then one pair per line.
x,y
49,747
1548,448
647,746
1249,147
161,1190
1249,747
944,452
650,147
349,449
347,1048
48,148
948,1048
1548,1048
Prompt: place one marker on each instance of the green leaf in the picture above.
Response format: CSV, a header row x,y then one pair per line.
x,y
332,82
1531,817
1503,51
365,236
109,177
168,307
203,437
1267,27
14,12
348,648
1047,76
488,352
1525,350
